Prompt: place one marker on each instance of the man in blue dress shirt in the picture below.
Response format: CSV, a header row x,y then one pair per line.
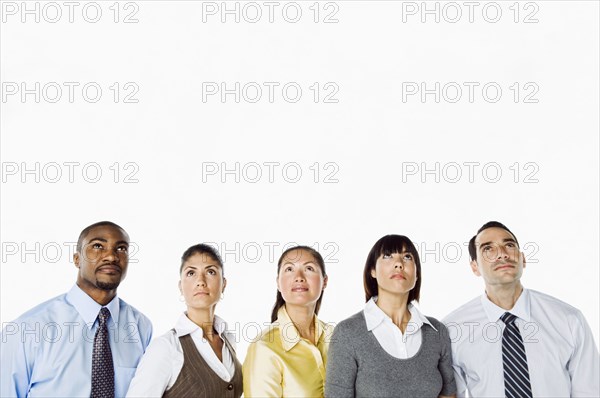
x,y
48,350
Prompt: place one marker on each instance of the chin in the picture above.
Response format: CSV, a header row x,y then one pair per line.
x,y
107,285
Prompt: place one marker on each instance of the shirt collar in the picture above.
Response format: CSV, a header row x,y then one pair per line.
x,y
185,326
521,309
374,316
288,332
88,309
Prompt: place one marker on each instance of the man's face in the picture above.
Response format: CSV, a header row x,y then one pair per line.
x,y
499,260
103,259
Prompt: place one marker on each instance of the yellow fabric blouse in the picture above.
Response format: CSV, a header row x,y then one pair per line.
x,y
280,363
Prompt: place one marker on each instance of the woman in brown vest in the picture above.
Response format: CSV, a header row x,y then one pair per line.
x,y
195,358
289,358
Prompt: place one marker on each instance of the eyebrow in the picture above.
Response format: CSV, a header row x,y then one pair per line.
x,y
503,240
291,263
104,240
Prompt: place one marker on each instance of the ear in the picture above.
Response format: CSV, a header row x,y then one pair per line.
x,y
325,282
523,259
76,259
475,268
373,273
179,286
278,287
224,284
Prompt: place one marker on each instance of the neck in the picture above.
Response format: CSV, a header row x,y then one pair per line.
x,y
303,317
204,318
395,306
504,296
100,296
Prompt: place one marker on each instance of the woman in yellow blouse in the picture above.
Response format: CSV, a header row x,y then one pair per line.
x,y
289,358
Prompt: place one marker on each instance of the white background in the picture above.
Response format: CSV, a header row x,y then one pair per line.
x,y
371,139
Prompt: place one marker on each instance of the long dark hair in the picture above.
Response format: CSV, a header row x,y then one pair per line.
x,y
387,245
279,301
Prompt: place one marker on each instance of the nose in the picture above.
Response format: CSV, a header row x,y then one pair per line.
x,y
502,252
113,255
200,281
399,264
299,277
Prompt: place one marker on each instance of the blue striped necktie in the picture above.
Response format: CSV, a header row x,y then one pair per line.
x,y
514,358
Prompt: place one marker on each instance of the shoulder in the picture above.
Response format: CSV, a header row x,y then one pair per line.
x,y
547,301
470,310
132,314
439,326
268,342
164,346
350,327
49,310
267,335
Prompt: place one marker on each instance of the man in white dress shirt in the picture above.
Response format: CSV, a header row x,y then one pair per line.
x,y
550,353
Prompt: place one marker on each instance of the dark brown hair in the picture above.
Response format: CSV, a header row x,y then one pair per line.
x,y
204,250
387,245
279,301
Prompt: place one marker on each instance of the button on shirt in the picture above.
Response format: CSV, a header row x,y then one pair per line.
x,y
47,352
282,364
159,368
562,357
389,336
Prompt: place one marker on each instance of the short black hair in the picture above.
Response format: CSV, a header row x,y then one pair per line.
x,y
387,245
202,248
489,224
87,229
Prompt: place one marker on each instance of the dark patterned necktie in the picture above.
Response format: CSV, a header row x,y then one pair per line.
x,y
516,372
103,372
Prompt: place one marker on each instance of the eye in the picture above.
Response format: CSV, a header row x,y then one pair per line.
x,y
511,245
310,268
211,272
123,248
487,248
408,257
386,255
97,246
189,273
288,268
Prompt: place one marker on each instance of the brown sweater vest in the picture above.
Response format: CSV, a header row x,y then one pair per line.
x,y
197,379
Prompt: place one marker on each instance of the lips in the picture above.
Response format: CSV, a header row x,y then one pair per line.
x,y
299,289
504,266
398,276
109,269
201,294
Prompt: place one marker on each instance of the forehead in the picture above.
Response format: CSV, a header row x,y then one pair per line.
x,y
201,260
107,232
493,235
298,256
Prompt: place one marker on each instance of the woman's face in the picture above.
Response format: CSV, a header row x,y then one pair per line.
x,y
396,273
202,281
300,278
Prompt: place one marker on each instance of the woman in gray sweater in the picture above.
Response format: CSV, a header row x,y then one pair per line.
x,y
390,349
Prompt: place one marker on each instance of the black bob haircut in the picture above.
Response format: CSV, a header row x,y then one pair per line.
x,y
387,245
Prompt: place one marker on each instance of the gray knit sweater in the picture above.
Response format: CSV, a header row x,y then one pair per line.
x,y
358,366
